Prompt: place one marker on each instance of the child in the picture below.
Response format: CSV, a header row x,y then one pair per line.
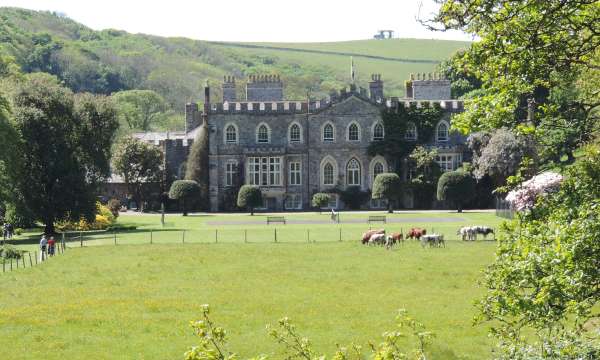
x,y
51,246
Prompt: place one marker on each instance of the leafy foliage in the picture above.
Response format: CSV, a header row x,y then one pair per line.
x,y
320,200
140,109
545,276
425,177
249,197
185,191
353,197
140,165
457,187
197,163
387,186
64,144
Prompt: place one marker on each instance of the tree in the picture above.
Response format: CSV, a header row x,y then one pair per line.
x,y
249,197
424,179
140,165
499,155
197,163
140,109
186,191
353,197
320,200
530,50
545,280
457,187
387,186
64,146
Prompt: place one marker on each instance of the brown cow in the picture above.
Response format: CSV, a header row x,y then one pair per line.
x,y
366,236
393,239
416,233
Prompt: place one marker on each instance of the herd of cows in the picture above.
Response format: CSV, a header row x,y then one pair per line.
x,y
379,237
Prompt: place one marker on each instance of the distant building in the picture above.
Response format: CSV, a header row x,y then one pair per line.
x,y
383,34
293,149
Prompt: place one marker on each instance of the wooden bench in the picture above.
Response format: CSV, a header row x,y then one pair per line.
x,y
274,219
375,218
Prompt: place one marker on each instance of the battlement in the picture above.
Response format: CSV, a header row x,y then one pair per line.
x,y
264,88
376,87
228,87
430,86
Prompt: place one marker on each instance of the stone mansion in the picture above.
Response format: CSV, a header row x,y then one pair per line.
x,y
293,149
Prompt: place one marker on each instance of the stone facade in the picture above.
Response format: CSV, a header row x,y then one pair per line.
x,y
293,149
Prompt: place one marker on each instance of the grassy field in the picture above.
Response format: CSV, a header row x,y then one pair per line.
x,y
135,301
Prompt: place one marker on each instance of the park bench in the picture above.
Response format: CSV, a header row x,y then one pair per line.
x,y
274,219
375,218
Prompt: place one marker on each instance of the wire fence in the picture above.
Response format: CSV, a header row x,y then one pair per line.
x,y
30,259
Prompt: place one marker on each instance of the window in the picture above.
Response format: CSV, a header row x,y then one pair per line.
x,y
446,162
262,135
295,173
353,134
328,174
377,169
293,202
411,132
353,172
231,172
295,133
264,171
378,132
442,132
332,201
230,134
328,132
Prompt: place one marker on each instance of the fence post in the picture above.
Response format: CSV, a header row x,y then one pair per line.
x,y
23,258
275,232
30,261
80,239
17,263
150,236
307,235
10,264
183,237
340,234
115,236
62,242
245,235
36,257
3,266
216,235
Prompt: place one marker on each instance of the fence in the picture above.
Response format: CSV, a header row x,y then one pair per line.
x,y
38,258
504,208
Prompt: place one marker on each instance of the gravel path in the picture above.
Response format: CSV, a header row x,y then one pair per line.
x,y
342,221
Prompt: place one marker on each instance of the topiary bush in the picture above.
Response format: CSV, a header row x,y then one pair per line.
x,y
320,200
387,186
457,187
185,191
114,206
249,197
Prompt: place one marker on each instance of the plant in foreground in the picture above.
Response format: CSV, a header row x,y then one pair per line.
x,y
213,342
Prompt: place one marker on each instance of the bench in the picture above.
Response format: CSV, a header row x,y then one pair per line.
x,y
274,219
376,218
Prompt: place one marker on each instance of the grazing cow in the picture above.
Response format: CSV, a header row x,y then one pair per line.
x,y
432,240
393,239
377,239
416,233
467,233
484,230
367,235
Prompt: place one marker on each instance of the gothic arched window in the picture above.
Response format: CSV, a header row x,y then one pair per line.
x,y
353,172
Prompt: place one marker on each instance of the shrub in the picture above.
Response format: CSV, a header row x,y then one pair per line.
x,y
320,200
102,221
249,197
10,252
387,186
19,216
185,191
354,197
457,187
114,206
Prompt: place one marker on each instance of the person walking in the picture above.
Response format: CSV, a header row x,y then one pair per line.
x,y
4,232
43,245
10,229
51,246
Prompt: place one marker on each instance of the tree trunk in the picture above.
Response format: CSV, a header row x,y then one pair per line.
x,y
390,207
251,211
184,207
49,226
459,207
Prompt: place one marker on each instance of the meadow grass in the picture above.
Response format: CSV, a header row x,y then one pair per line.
x,y
135,301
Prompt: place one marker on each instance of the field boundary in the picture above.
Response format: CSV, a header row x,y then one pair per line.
x,y
324,52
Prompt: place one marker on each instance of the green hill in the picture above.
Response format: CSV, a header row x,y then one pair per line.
x,y
112,60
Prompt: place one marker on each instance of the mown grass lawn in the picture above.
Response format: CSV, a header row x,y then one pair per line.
x,y
135,301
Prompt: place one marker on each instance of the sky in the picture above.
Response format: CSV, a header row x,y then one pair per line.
x,y
251,20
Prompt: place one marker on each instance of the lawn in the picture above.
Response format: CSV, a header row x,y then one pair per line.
x,y
135,301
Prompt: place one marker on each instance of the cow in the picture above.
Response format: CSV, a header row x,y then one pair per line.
x,y
367,235
416,233
432,240
377,239
467,233
484,230
392,239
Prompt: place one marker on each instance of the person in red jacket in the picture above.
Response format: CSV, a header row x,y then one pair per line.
x,y
51,246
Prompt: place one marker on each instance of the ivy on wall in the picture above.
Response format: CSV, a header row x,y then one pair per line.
x,y
395,122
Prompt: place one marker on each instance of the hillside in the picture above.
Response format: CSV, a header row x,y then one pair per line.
x,y
112,60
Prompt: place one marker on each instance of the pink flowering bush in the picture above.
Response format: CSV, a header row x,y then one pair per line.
x,y
524,197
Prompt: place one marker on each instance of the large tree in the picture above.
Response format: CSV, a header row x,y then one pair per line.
x,y
457,187
387,186
64,145
140,109
140,164
544,52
